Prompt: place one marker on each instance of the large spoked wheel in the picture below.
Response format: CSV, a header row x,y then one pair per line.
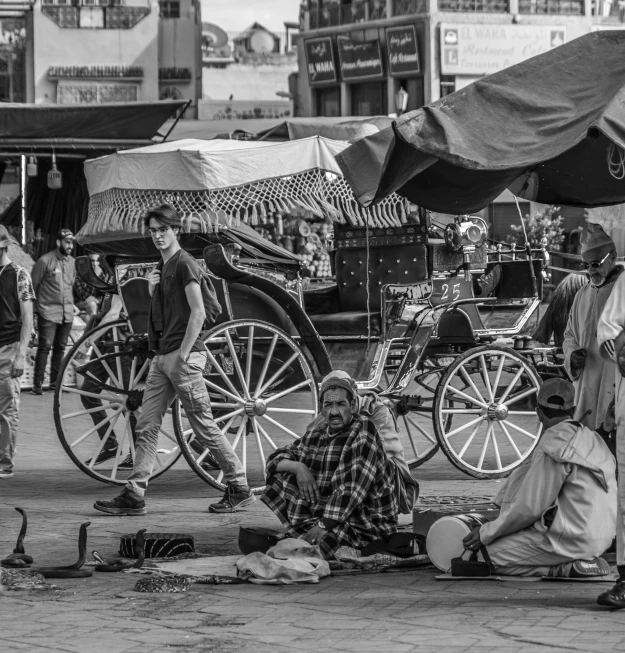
x,y
95,417
263,394
495,426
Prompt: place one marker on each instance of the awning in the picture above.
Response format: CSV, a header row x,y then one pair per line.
x,y
100,126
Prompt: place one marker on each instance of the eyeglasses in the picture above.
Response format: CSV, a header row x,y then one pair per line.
x,y
161,231
595,265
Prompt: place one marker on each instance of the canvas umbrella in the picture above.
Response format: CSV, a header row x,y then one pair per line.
x,y
551,129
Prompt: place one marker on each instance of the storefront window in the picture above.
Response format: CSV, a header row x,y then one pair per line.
x,y
328,101
448,85
416,95
369,99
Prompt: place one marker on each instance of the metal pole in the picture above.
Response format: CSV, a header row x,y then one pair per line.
x,y
23,198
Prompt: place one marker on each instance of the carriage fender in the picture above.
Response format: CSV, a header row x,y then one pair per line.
x,y
246,302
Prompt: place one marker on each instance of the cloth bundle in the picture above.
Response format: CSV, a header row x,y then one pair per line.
x,y
290,561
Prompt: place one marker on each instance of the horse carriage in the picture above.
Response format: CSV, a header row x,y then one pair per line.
x,y
403,315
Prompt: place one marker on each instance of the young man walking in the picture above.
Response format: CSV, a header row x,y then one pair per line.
x,y
177,315
16,325
53,280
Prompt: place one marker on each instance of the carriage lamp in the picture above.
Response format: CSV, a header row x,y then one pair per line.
x,y
467,233
55,177
31,167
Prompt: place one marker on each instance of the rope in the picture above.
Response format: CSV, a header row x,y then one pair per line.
x,y
616,161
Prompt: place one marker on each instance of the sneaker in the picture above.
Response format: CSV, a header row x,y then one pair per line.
x,y
124,505
36,390
5,474
126,463
52,387
232,499
615,597
589,568
103,456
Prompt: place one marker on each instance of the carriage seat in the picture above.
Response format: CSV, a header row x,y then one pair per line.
x,y
397,255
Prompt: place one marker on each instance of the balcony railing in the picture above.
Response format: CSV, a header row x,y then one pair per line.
x,y
95,17
475,6
407,7
331,13
561,7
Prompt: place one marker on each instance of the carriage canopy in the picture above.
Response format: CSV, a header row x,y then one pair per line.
x,y
223,182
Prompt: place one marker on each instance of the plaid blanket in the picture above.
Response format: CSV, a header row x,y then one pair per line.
x,y
356,483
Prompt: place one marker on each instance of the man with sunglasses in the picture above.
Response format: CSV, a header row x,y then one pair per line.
x,y
592,376
177,316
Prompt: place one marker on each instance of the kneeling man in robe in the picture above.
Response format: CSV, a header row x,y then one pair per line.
x,y
335,486
558,509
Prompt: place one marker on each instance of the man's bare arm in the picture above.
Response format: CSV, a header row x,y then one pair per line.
x,y
19,362
193,293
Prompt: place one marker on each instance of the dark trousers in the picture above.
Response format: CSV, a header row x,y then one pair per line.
x,y
94,385
52,336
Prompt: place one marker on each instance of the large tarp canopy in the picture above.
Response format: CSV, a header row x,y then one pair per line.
x,y
551,129
342,128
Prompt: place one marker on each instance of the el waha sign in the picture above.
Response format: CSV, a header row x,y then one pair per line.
x,y
359,60
403,53
320,60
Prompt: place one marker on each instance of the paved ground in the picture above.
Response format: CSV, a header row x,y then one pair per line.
x,y
395,612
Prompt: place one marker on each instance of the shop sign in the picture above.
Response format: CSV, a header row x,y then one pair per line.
x,y
320,60
359,59
471,49
403,52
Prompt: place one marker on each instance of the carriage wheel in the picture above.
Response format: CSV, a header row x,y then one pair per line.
x,y
263,394
495,426
90,418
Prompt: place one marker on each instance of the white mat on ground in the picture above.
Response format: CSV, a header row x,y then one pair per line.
x,y
290,561
379,561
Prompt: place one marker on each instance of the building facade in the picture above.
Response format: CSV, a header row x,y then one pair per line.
x,y
355,55
96,51
246,74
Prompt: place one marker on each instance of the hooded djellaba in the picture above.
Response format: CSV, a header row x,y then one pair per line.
x,y
592,374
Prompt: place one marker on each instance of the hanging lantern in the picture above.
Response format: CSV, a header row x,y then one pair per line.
x,y
55,178
31,167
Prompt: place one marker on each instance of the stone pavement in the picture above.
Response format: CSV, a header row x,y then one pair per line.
x,y
395,612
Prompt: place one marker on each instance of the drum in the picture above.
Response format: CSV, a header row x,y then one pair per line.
x,y
444,539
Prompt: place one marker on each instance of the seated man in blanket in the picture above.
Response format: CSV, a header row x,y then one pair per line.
x,y
335,486
558,509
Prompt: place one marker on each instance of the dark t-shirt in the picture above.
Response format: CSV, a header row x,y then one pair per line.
x,y
180,270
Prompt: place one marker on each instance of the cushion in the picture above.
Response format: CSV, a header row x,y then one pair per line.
x,y
400,264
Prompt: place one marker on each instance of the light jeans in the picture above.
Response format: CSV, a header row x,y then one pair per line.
x,y
170,376
9,407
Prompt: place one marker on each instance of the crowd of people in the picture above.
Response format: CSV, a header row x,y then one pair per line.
x,y
345,481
